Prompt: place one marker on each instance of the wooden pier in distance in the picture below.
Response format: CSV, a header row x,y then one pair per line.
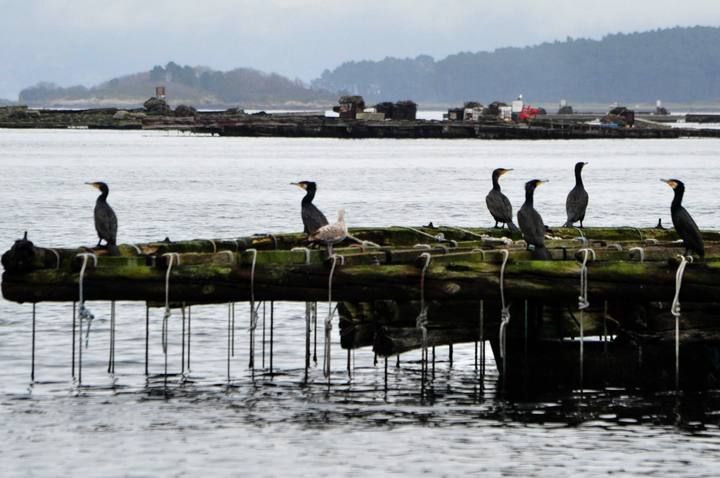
x,y
317,125
454,284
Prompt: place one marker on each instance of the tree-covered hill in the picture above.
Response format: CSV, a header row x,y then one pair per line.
x,y
197,86
676,65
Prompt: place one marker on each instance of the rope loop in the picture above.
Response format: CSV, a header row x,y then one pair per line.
x,y
639,249
305,250
479,251
675,311
421,321
581,237
331,312
173,257
164,333
85,313
583,302
253,309
684,261
57,258
505,310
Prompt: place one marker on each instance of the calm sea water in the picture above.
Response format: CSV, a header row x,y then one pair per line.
x,y
190,187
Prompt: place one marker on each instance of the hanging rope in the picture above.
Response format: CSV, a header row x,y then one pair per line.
x,y
214,245
582,299
74,315
111,357
137,249
172,258
182,351
583,304
331,312
57,258
482,338
582,237
83,313
253,309
32,361
505,311
309,306
189,335
422,320
675,311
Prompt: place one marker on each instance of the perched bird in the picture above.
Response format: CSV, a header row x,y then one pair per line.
x,y
577,199
312,218
531,223
498,204
682,220
331,233
105,219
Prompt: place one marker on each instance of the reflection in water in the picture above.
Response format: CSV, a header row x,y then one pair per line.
x,y
185,187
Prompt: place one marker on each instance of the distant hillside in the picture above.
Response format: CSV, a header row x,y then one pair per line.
x,y
196,86
676,65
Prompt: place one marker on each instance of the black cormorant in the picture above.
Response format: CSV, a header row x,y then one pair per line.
x,y
312,218
531,223
105,219
577,199
331,233
683,221
498,204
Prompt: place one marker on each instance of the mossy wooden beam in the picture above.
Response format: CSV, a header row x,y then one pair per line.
x,y
448,278
400,245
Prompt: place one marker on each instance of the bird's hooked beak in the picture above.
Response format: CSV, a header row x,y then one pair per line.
x,y
542,181
95,185
300,185
503,171
670,182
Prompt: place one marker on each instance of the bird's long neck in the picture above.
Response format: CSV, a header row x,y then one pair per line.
x,y
578,177
496,183
677,200
103,196
529,196
309,196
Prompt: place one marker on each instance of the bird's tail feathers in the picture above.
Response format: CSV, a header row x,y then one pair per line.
x,y
512,227
113,250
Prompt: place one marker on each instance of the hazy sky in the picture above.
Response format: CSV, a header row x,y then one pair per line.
x,y
88,41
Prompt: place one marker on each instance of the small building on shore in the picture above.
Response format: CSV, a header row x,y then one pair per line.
x,y
349,106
